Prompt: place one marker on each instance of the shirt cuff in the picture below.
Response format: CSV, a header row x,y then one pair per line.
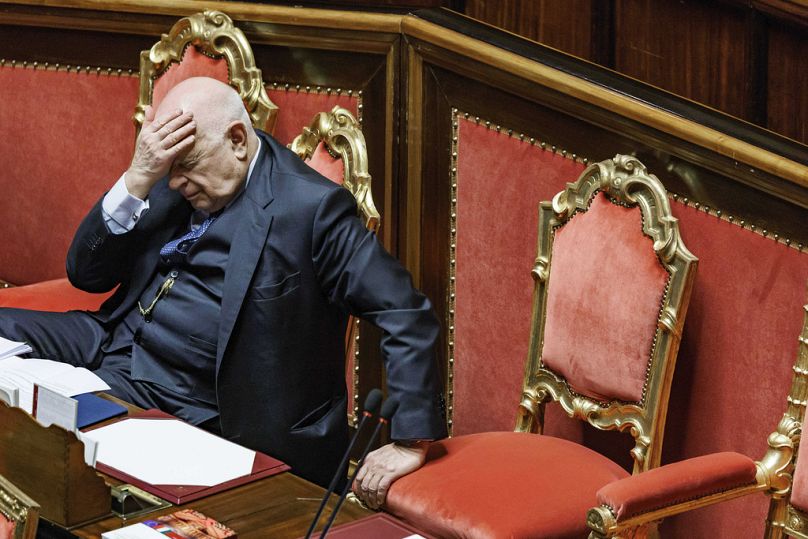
x,y
121,210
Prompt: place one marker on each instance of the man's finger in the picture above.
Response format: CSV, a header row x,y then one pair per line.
x,y
179,148
178,136
373,486
164,120
381,491
173,124
149,114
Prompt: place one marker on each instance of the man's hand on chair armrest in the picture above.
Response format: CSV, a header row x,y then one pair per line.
x,y
675,483
385,465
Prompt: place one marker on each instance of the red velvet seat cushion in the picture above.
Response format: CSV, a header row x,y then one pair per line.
x,y
503,484
57,295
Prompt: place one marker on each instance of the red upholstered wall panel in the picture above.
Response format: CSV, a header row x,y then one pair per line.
x,y
734,368
67,137
298,107
500,181
740,336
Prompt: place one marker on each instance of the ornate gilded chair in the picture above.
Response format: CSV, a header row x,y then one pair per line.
x,y
19,514
334,146
203,44
627,506
612,284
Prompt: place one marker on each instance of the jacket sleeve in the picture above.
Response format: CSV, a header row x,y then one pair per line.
x,y
358,274
99,260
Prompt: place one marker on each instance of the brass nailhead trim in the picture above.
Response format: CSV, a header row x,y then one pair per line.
x,y
327,90
718,214
544,146
47,66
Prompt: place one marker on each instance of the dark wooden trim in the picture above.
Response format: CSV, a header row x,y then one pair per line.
x,y
603,33
757,29
592,73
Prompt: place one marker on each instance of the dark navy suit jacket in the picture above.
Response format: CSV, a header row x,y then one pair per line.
x,y
300,263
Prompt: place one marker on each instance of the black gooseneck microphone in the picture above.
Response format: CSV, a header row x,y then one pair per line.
x,y
372,403
388,409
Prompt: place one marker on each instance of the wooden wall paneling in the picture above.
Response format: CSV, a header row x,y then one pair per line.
x,y
733,172
517,94
563,24
695,49
787,97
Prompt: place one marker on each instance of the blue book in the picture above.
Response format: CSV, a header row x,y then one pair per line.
x,y
93,409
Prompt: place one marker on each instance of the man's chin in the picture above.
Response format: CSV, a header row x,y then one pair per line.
x,y
198,202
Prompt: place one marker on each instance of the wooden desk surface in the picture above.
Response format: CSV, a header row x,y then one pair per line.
x,y
280,506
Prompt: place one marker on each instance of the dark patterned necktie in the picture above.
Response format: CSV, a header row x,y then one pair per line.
x,y
176,250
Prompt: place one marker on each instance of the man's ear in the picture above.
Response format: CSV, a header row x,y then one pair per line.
x,y
237,136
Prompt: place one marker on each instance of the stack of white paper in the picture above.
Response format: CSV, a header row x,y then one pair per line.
x,y
12,348
21,374
170,452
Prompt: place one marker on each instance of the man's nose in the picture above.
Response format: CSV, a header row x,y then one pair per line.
x,y
176,181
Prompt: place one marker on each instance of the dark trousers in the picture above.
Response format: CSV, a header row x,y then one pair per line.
x,y
77,338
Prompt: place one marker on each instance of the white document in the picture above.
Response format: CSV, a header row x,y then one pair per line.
x,y
170,452
12,348
67,380
10,395
53,408
90,448
135,531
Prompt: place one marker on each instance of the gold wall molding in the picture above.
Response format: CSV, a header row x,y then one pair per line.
x,y
491,126
747,157
293,16
68,68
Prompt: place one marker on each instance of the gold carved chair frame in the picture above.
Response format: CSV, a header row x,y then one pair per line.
x,y
774,473
214,35
626,182
17,508
341,135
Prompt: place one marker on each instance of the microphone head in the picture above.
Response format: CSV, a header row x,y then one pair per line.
x,y
373,401
388,409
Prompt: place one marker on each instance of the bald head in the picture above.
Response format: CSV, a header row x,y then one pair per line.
x,y
214,104
214,169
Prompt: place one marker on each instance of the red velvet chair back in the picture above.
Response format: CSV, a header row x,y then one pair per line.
x,y
205,44
612,284
333,145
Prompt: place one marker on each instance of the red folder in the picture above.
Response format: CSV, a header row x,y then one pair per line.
x,y
263,466
378,526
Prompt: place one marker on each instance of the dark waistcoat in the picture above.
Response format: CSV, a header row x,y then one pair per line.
x,y
176,348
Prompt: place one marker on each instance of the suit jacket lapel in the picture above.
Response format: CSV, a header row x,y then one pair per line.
x,y
246,246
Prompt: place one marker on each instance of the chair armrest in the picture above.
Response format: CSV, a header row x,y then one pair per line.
x,y
57,295
672,489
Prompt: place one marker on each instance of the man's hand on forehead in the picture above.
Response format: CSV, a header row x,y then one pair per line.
x,y
161,141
